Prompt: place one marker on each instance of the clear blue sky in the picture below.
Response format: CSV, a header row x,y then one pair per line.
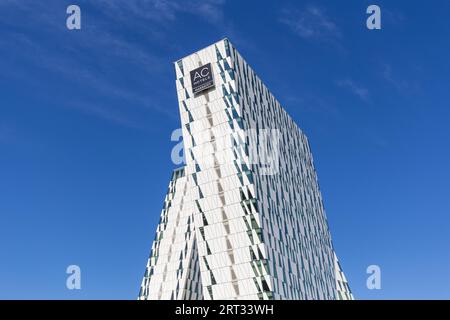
x,y
86,118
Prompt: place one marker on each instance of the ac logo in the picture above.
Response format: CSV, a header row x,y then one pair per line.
x,y
204,72
202,78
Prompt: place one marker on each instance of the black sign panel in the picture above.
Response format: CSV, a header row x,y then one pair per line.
x,y
202,78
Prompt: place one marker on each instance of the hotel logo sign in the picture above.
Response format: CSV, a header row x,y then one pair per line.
x,y
202,78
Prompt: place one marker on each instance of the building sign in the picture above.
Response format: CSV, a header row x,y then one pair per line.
x,y
202,78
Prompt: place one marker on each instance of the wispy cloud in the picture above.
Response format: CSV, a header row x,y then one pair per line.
x,y
108,113
354,88
156,17
93,70
76,73
164,11
310,23
400,84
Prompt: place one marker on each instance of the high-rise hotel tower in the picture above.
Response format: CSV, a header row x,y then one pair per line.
x,y
244,218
